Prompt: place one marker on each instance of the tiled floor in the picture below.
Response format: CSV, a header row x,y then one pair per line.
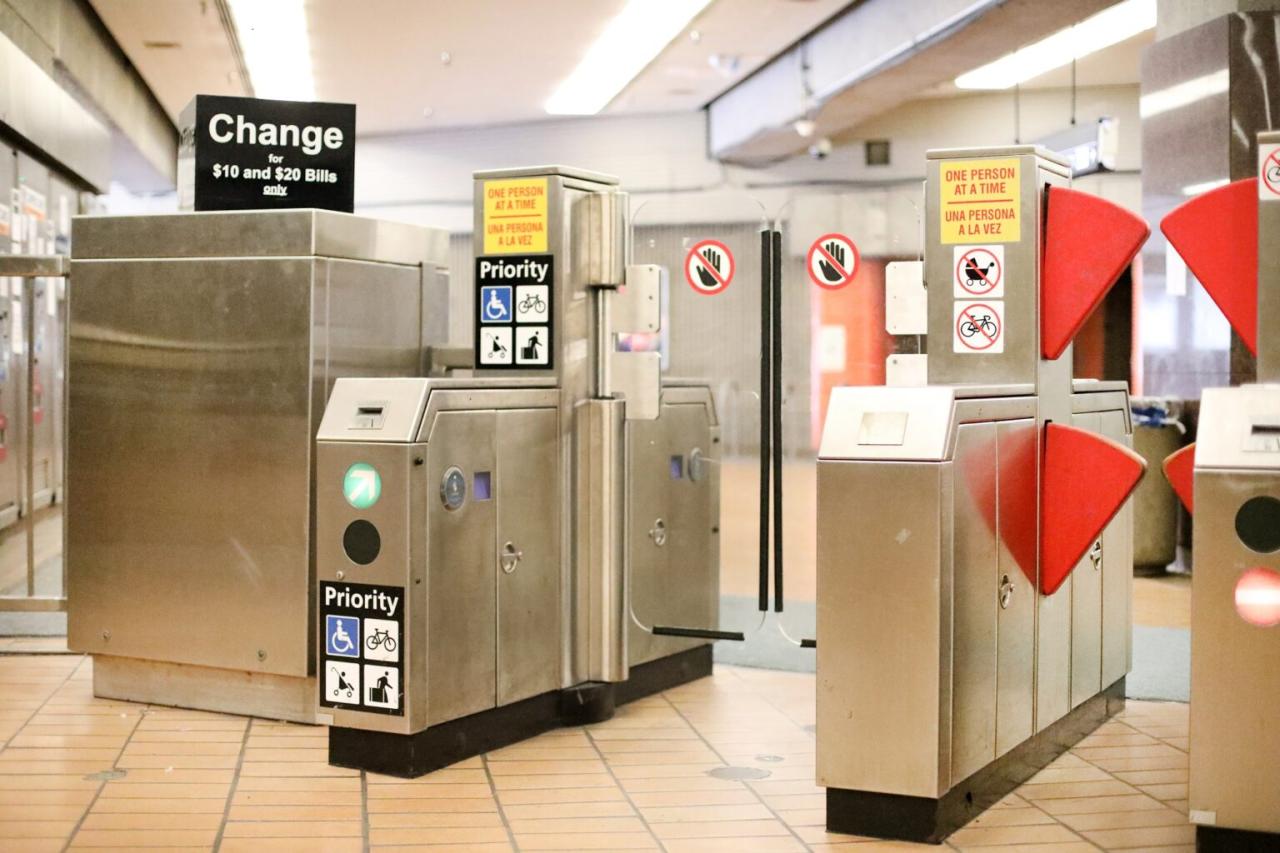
x,y
85,773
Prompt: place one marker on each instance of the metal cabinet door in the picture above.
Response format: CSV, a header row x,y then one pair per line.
x,y
1086,605
461,594
1117,573
527,488
976,584
648,476
1016,629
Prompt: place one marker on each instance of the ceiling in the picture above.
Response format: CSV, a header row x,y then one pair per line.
x,y
505,57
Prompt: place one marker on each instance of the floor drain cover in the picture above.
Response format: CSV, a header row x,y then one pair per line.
x,y
739,774
106,775
769,759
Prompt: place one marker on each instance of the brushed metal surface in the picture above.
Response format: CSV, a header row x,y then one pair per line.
x,y
1237,413
1016,655
601,609
585,175
927,426
976,584
1235,743
1269,278
193,369
1117,569
676,583
462,559
1086,606
883,713
526,489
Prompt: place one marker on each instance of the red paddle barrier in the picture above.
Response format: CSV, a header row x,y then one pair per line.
x,y
1085,479
1180,470
1217,235
1088,243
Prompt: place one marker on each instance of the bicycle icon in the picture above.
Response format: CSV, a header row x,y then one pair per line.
x,y
985,324
533,303
381,637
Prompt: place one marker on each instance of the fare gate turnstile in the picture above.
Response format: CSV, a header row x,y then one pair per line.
x,y
481,539
1230,479
974,538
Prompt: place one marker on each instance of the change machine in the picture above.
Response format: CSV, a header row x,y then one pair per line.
x,y
202,349
974,541
1230,478
481,539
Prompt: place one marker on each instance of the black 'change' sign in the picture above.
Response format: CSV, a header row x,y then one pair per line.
x,y
251,153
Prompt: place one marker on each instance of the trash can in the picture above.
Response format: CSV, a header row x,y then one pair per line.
x,y
1157,431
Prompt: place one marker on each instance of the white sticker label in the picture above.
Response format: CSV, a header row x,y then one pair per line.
x,y
978,271
532,303
979,327
1269,172
531,345
495,345
342,682
381,686
381,640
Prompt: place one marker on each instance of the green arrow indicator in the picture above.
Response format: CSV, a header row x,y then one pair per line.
x,y
362,485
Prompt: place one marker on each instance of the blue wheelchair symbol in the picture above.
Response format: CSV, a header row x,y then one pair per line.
x,y
342,636
495,304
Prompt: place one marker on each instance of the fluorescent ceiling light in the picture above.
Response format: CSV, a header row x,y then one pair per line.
x,y
630,42
1185,93
1196,189
277,49
1110,26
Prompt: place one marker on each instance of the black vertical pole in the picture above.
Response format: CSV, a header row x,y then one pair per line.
x,y
766,408
776,368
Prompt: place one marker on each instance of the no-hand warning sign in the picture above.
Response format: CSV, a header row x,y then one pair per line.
x,y
709,267
979,271
1269,171
979,327
833,261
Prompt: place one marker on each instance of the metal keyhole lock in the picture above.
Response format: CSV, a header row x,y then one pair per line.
x,y
1006,592
658,533
1095,555
510,558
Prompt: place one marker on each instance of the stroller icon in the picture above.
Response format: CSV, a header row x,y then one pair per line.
x,y
344,686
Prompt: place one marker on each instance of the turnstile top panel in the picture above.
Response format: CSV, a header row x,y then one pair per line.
x,y
1239,428
881,423
1000,151
257,234
541,171
1098,386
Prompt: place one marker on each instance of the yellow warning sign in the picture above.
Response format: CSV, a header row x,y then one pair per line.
x,y
981,201
515,216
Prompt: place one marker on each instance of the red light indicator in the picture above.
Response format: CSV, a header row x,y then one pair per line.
x,y
1258,597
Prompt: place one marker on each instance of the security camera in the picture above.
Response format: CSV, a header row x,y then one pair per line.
x,y
820,149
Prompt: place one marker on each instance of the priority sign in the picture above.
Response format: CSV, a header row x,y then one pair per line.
x,y
979,271
979,327
709,267
832,261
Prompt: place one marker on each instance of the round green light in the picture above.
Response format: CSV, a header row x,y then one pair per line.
x,y
362,485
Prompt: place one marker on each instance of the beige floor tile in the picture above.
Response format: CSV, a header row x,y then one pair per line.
x,y
561,795
1058,775
981,836
669,814
476,820
36,828
1173,791
31,845
134,839
297,783
1150,836
450,806
155,820
291,845
1063,790
1098,805
294,829
447,776
295,812
1011,817
549,780
774,844
1154,777
588,841
428,792
1124,820
495,847
608,808
160,805
724,797
527,826
1062,847
10,811
720,829
436,835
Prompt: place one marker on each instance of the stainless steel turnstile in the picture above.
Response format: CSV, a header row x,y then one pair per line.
x,y
968,630
483,541
1230,479
203,347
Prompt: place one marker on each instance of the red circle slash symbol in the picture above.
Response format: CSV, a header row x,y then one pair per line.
x,y
978,326
709,267
832,261
978,271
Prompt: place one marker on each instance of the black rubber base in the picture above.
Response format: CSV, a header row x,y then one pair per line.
x,y
1219,839
930,821
409,756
